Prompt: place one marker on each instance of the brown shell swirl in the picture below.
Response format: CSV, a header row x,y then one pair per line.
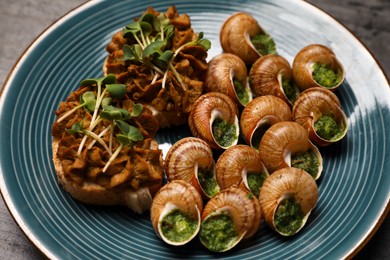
x,y
311,104
266,76
185,158
285,183
262,112
309,55
234,164
235,36
283,139
221,72
205,110
244,208
175,194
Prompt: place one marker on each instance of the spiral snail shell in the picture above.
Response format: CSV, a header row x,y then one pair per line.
x,y
214,118
319,111
190,159
317,66
272,75
259,115
285,191
238,36
241,166
287,144
227,74
176,201
238,214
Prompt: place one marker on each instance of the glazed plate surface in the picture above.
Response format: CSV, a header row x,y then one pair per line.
x,y
353,190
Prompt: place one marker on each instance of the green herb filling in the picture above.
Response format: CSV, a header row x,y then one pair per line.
x,y
208,182
241,91
290,90
255,182
288,217
264,44
218,233
224,133
306,161
178,226
327,128
324,75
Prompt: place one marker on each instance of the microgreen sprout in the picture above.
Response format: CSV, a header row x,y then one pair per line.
x,y
129,135
77,128
93,103
152,36
87,100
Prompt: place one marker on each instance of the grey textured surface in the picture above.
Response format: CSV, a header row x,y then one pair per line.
x,y
22,21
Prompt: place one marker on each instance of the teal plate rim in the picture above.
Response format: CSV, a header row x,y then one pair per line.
x,y
339,226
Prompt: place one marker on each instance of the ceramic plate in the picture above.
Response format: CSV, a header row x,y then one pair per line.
x,y
353,189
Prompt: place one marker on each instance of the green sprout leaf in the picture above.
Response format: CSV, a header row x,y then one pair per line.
x,y
155,47
116,90
88,100
109,79
136,110
76,128
114,113
132,53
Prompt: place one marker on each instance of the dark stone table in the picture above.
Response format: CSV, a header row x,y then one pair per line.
x,y
21,21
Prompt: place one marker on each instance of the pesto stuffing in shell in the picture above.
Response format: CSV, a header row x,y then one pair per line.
x,y
264,44
327,128
255,182
306,161
178,226
208,182
288,216
224,133
290,90
218,232
324,75
241,91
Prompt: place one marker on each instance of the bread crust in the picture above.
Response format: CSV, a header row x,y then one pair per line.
x,y
94,194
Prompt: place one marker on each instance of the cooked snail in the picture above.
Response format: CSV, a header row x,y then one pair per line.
x,y
176,212
272,75
319,111
214,118
259,115
191,159
287,144
317,66
287,199
241,166
227,218
227,74
242,35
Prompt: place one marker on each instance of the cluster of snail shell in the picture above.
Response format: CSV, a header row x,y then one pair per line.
x,y
269,127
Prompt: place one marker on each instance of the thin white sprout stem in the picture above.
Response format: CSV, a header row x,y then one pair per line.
x,y
102,133
112,158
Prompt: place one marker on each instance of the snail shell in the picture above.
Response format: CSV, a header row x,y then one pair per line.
x,y
267,76
235,163
186,158
288,183
310,55
259,115
222,73
176,195
206,110
243,208
235,36
314,103
284,140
